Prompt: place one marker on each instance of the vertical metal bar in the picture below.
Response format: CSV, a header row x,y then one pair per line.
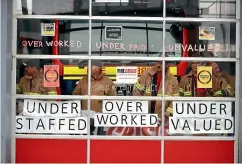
x,y
90,8
163,81
237,113
14,63
163,132
89,91
237,42
89,83
237,90
237,9
1,113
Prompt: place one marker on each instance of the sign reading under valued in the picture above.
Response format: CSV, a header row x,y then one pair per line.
x,y
113,32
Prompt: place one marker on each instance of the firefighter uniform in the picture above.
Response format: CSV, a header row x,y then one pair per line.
x,y
147,86
34,86
102,86
220,87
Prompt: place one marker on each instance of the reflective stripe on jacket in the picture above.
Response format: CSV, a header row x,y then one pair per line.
x,y
34,86
143,87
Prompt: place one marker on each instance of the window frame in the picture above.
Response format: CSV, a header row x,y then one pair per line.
x,y
88,57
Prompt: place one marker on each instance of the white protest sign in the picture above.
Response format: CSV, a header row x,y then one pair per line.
x,y
201,125
126,75
198,109
26,124
125,120
52,108
118,106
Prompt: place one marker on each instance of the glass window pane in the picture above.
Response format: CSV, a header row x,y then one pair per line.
x,y
63,37
203,8
53,7
139,8
204,79
125,38
212,39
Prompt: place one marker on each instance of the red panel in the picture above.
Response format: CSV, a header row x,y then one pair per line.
x,y
50,151
116,151
199,152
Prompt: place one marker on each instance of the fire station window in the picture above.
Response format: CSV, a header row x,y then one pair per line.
x,y
52,7
50,117
202,8
63,37
127,38
204,79
202,118
139,8
213,39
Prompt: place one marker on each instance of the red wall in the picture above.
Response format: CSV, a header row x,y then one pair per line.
x,y
121,151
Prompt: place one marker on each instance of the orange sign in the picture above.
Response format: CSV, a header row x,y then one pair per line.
x,y
51,76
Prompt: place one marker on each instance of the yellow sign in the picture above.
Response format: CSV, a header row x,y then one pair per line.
x,y
47,29
72,72
204,77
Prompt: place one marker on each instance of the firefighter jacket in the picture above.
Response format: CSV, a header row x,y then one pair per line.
x,y
103,86
220,87
34,86
145,87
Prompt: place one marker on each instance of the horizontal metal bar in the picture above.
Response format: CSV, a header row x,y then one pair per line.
x,y
56,17
127,18
129,58
147,98
97,137
52,97
207,138
40,56
43,136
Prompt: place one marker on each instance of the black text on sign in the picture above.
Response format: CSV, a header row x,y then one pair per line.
x,y
125,106
52,108
125,120
202,109
77,125
201,125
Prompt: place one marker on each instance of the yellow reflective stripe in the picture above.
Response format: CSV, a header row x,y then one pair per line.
x,y
159,94
30,93
176,94
52,93
189,93
218,93
148,89
19,89
228,87
181,90
169,111
140,87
